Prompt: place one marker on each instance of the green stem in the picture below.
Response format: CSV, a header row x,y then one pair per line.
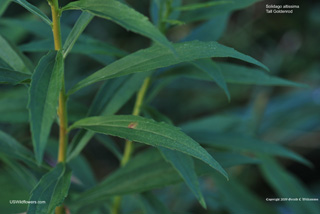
x,y
62,110
128,150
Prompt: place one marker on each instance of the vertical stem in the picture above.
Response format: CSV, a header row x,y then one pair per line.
x,y
62,110
129,144
136,111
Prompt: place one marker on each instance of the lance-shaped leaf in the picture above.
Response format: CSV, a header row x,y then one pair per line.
x,y
76,31
13,57
43,99
213,70
52,188
33,9
157,173
202,13
148,131
3,6
13,149
288,186
159,57
123,15
185,167
233,73
243,143
109,99
13,77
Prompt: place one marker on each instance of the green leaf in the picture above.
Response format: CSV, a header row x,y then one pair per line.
x,y
235,74
151,204
185,167
52,188
11,148
245,75
123,15
33,9
43,99
210,12
13,104
13,77
157,173
158,57
109,99
22,174
211,30
107,142
242,199
213,70
202,5
76,31
3,6
148,131
287,185
12,56
246,144
216,123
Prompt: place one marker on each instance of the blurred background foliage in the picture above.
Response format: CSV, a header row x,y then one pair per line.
x,y
287,43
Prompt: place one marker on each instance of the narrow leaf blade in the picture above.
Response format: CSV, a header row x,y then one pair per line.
x,y
123,15
158,57
76,31
13,77
33,9
148,131
185,167
214,71
43,99
52,188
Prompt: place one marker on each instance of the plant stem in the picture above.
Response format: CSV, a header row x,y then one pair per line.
x,y
128,150
136,111
62,110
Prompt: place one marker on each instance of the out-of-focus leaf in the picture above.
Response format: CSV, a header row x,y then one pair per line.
x,y
202,5
83,46
107,142
13,105
242,143
185,167
33,26
109,99
211,30
230,159
288,186
13,149
13,77
122,15
151,204
43,99
216,123
33,9
242,199
76,31
157,173
209,12
10,189
236,74
213,70
159,57
52,188
82,172
148,131
3,6
20,173
11,55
